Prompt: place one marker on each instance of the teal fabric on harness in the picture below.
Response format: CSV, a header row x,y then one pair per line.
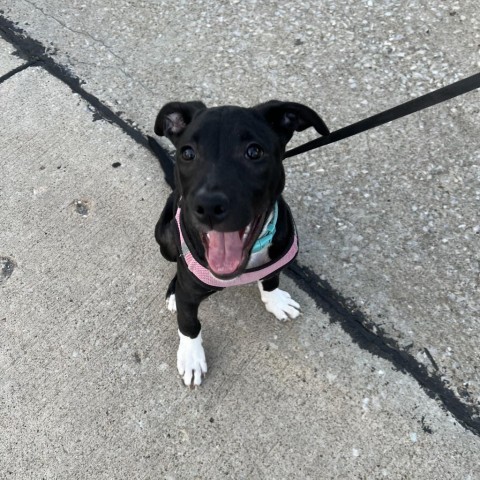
x,y
266,240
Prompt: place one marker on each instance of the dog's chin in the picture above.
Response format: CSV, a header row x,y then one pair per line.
x,y
227,253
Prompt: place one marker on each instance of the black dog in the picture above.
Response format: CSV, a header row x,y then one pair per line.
x,y
225,222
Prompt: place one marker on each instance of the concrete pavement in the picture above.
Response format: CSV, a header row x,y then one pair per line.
x,y
88,383
391,216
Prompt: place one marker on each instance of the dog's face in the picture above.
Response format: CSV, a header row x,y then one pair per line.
x,y
229,171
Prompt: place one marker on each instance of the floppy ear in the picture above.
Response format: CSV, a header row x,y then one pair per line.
x,y
288,117
174,117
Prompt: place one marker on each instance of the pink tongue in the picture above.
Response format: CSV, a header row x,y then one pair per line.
x,y
224,253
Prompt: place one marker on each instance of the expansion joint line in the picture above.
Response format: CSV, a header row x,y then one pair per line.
x,y
19,69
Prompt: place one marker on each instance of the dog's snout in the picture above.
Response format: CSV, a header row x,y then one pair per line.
x,y
211,207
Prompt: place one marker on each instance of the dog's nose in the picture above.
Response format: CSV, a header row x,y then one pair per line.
x,y
211,207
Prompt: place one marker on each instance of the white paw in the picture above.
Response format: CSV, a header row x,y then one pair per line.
x,y
171,303
191,361
280,303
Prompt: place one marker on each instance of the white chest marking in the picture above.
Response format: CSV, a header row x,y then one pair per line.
x,y
258,259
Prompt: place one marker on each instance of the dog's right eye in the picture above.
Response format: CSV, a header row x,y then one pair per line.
x,y
254,151
188,154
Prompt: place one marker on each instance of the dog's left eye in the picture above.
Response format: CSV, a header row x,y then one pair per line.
x,y
254,152
188,154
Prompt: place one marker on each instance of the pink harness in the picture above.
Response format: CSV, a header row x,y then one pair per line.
x,y
249,276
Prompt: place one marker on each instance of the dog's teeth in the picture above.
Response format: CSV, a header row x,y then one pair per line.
x,y
246,231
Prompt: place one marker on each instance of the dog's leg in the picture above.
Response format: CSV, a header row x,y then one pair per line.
x,y
277,301
191,362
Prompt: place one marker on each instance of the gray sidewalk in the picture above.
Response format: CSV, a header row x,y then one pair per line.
x,y
389,219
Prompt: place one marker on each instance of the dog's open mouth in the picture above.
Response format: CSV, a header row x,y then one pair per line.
x,y
227,252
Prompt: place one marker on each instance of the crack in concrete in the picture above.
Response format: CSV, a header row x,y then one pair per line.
x,y
95,40
70,29
128,75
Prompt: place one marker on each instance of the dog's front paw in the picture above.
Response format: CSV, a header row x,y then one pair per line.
x,y
191,361
280,303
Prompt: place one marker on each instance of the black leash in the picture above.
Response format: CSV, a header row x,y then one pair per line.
x,y
412,106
